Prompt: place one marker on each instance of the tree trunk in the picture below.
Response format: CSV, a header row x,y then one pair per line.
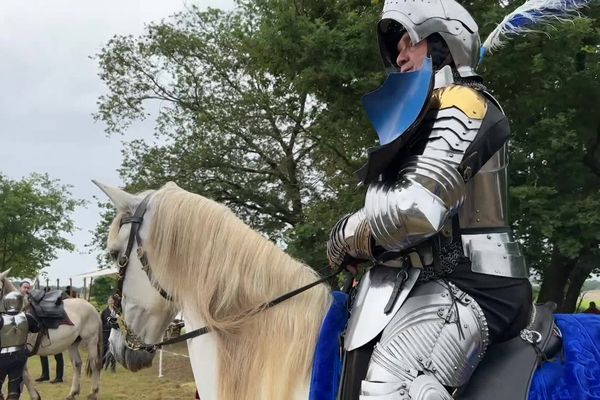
x,y
556,276
584,268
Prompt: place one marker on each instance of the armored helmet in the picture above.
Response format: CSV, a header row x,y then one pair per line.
x,y
422,19
13,302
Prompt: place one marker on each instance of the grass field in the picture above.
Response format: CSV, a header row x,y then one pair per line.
x,y
176,384
586,297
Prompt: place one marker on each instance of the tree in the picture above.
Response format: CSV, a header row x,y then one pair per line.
x,y
35,214
100,234
240,121
259,109
546,84
102,288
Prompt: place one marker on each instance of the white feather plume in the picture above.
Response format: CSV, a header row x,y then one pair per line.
x,y
532,13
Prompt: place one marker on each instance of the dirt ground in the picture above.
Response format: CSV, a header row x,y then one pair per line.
x,y
176,384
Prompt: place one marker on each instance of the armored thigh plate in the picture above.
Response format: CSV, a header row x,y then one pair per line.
x,y
439,332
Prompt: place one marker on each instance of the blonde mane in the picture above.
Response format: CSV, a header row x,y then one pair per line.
x,y
199,250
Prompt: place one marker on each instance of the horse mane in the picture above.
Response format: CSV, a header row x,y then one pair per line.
x,y
199,250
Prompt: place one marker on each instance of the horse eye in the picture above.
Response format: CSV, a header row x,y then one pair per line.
x,y
114,255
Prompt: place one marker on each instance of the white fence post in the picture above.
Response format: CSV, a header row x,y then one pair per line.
x,y
160,363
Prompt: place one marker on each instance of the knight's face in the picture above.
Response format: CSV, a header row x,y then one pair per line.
x,y
411,56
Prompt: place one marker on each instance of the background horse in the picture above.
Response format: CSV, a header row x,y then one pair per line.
x,y
86,331
218,271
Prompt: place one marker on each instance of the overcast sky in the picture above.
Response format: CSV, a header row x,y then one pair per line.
x,y
49,89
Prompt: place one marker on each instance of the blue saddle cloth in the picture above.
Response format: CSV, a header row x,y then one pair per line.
x,y
577,377
327,364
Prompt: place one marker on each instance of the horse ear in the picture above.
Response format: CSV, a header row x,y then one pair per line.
x,y
122,200
171,185
4,274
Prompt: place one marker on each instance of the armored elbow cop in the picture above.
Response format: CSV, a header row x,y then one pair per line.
x,y
427,193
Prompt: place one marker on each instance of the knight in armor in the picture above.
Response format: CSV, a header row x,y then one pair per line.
x,y
14,327
449,280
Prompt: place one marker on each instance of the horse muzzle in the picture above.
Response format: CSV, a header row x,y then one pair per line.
x,y
132,359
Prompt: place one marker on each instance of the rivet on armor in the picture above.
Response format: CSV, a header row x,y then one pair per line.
x,y
489,237
401,392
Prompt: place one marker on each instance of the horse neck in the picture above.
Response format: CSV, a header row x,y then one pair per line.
x,y
203,352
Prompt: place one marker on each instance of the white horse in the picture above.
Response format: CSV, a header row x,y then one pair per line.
x,y
86,330
218,271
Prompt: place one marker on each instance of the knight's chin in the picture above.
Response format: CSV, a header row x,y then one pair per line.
x,y
133,360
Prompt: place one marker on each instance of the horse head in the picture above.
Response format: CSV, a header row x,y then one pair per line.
x,y
144,313
220,273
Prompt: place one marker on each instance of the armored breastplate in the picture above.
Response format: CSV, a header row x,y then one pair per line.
x,y
14,330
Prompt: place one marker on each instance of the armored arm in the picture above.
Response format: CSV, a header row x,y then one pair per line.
x,y
463,130
350,238
404,214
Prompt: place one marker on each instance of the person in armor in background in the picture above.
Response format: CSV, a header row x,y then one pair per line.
x,y
448,278
14,327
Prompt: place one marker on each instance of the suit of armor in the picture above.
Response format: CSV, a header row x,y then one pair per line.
x,y
449,279
14,327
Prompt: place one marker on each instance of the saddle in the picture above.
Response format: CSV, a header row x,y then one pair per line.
x,y
507,369
48,308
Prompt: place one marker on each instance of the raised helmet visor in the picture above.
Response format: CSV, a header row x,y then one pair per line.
x,y
422,18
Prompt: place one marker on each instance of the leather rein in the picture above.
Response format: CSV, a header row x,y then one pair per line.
x,y
133,341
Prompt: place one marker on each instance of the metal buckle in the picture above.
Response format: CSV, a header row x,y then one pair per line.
x,y
531,336
123,261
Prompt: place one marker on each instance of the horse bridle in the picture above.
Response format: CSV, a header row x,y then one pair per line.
x,y
133,341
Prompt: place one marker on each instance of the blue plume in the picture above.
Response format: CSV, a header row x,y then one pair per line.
x,y
532,13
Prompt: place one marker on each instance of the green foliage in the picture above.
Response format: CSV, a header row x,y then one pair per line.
x,y
259,109
102,288
35,213
549,87
100,234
